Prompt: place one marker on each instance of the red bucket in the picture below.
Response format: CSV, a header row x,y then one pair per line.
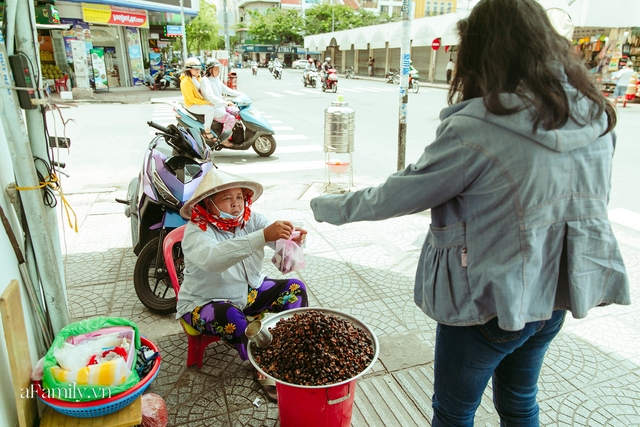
x,y
329,406
317,406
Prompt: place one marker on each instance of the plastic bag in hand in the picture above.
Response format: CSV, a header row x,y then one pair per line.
x,y
289,255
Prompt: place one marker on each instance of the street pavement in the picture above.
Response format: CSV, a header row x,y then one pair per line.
x,y
590,377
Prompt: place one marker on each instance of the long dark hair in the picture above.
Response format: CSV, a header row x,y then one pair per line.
x,y
510,46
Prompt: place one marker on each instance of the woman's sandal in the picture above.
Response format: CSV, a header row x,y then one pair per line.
x,y
268,385
209,138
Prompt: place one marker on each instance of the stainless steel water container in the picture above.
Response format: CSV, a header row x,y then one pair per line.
x,y
339,127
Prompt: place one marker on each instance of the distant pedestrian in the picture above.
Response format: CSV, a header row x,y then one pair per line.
x,y
449,70
517,182
623,77
372,63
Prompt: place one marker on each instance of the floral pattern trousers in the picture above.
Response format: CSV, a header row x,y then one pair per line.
x,y
227,320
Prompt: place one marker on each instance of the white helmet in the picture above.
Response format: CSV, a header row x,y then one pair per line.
x,y
192,63
328,58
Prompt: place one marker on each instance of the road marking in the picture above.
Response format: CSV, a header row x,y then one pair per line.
x,y
350,90
275,95
292,92
289,137
299,149
625,217
367,89
252,168
282,128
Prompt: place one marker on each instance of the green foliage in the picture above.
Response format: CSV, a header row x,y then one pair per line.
x,y
321,18
202,32
276,26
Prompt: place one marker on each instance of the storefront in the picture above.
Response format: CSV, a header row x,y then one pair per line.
x,y
605,51
108,44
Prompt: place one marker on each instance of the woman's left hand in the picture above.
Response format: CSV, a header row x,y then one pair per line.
x,y
303,235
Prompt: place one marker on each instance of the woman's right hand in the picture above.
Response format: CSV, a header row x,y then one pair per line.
x,y
278,230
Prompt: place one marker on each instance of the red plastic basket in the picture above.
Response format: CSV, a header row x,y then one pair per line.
x,y
97,408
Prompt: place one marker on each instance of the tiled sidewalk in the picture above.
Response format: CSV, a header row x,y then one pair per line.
x,y
591,376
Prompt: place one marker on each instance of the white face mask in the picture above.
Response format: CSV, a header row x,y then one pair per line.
x,y
224,215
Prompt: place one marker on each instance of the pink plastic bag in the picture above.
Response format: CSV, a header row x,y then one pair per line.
x,y
289,255
154,411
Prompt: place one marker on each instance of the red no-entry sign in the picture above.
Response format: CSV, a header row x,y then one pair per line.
x,y
435,44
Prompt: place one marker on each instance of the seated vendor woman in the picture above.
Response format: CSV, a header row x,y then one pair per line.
x,y
223,249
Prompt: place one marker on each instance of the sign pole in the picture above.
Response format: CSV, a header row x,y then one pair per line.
x,y
405,57
226,32
184,34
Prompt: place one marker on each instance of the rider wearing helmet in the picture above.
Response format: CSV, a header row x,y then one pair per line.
x,y
326,65
308,68
213,90
193,99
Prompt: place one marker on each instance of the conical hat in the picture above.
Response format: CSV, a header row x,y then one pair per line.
x,y
214,182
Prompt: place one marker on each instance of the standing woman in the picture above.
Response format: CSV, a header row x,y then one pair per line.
x,y
193,99
518,180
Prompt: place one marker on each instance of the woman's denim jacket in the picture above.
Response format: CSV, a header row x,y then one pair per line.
x,y
519,218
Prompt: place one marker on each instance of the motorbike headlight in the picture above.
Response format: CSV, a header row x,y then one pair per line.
x,y
163,190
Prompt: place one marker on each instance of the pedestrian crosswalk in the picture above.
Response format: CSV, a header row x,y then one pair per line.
x,y
350,89
294,150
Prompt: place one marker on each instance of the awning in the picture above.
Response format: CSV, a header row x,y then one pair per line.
x,y
146,5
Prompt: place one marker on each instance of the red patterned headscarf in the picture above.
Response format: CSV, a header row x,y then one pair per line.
x,y
202,217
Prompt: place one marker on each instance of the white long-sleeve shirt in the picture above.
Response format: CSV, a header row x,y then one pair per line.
x,y
221,265
212,90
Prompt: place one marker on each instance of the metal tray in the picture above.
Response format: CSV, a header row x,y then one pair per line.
x,y
273,320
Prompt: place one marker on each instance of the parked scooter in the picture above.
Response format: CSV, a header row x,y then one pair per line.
x,y
393,77
277,71
173,166
167,79
251,130
350,74
330,82
309,77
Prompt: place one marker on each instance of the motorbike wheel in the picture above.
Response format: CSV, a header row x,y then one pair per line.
x,y
151,281
415,86
324,88
265,145
334,88
313,84
396,79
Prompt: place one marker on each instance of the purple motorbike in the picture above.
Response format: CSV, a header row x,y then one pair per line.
x,y
173,166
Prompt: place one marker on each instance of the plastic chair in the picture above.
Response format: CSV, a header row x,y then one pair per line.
x,y
62,83
196,342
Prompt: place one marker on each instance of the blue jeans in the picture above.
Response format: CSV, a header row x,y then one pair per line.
x,y
466,357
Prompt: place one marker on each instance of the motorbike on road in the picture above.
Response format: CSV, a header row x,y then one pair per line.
x,y
277,71
414,85
254,69
251,130
330,82
309,78
173,166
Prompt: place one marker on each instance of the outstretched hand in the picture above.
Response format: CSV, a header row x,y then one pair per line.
x,y
278,230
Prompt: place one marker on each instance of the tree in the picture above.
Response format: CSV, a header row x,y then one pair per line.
x,y
202,32
276,26
326,17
